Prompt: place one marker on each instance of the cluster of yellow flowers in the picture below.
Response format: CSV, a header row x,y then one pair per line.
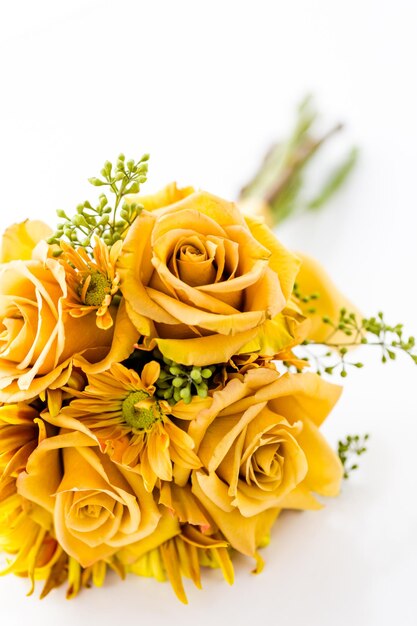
x,y
105,465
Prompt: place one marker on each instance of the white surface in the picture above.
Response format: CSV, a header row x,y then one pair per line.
x,y
205,87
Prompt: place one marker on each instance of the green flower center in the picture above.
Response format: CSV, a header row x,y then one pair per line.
x,y
97,290
140,410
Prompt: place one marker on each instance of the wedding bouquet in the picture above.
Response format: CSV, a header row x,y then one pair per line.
x,y
159,408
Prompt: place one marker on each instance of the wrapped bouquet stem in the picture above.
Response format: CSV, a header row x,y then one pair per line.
x,y
277,191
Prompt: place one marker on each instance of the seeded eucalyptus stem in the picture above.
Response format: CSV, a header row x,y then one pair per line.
x,y
356,332
352,446
122,179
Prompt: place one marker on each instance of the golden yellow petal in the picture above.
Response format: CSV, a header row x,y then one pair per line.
x,y
284,263
166,196
20,239
168,527
205,350
183,504
245,534
135,271
325,471
122,344
299,396
220,211
43,472
300,498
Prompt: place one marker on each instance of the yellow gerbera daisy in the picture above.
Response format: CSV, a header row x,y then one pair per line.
x,y
92,283
24,529
184,555
131,424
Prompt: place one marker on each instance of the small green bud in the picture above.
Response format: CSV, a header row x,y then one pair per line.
x,y
134,188
96,182
195,374
185,393
79,220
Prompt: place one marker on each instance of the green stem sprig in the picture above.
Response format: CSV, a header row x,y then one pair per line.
x,y
350,331
349,448
279,182
107,220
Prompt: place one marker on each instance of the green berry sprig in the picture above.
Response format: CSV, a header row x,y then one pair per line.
x,y
372,331
352,446
178,382
107,220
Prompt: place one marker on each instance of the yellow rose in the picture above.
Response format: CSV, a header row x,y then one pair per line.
x,y
262,451
39,338
205,283
19,240
97,506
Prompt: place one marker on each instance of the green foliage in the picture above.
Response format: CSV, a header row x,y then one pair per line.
x,y
349,448
107,220
181,382
352,331
280,179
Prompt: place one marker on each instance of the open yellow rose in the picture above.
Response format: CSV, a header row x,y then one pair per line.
x,y
39,338
98,507
204,282
261,448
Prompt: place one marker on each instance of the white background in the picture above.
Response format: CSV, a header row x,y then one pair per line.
x,y
206,87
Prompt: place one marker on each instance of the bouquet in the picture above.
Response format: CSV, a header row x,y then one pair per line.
x,y
160,406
